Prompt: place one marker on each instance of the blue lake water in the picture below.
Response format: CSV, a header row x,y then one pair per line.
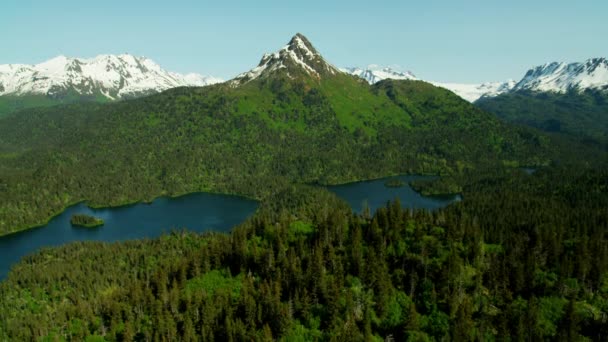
x,y
376,194
198,212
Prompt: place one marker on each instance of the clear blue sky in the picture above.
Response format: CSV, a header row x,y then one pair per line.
x,y
455,41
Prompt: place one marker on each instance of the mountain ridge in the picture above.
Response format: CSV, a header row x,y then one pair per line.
x,y
561,77
470,92
374,73
110,76
113,77
557,77
567,98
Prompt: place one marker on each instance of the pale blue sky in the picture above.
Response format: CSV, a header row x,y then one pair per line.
x,y
454,41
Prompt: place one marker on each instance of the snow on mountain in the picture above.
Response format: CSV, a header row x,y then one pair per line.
x,y
113,76
473,92
469,92
374,73
297,56
561,77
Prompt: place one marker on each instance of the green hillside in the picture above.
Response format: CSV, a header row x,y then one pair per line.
x,y
10,103
583,114
248,137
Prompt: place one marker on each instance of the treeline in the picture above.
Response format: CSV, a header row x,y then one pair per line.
x,y
523,257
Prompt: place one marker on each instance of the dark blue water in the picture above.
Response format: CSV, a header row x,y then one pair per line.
x,y
198,212
376,194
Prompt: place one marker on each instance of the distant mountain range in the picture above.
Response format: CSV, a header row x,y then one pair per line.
x,y
112,77
559,97
474,92
551,77
109,76
374,73
564,77
469,92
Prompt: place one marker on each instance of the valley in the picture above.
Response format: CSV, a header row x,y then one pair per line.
x,y
299,201
281,123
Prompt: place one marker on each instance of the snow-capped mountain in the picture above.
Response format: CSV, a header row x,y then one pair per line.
x,y
469,92
551,77
112,76
296,57
561,77
374,73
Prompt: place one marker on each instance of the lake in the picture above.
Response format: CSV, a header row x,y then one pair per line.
x,y
376,194
198,212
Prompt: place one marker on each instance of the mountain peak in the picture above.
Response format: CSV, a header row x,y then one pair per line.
x,y
563,77
298,57
300,43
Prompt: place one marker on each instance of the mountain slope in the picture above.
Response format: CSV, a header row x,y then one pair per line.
x,y
583,114
103,78
559,97
563,77
282,122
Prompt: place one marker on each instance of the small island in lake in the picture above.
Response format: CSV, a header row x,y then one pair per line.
x,y
394,183
86,221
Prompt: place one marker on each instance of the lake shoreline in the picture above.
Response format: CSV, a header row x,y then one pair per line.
x,y
198,212
174,196
125,204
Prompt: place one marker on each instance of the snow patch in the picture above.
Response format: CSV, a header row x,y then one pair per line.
x,y
473,92
375,73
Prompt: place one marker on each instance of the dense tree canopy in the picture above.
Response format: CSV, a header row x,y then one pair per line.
x,y
577,113
523,256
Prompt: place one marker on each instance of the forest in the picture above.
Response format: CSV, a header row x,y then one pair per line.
x,y
524,257
575,113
